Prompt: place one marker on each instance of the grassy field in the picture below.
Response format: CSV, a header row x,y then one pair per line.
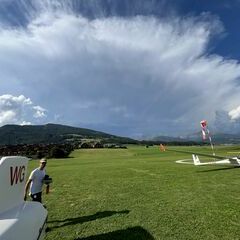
x,y
141,193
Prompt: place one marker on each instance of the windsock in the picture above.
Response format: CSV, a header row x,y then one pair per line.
x,y
205,131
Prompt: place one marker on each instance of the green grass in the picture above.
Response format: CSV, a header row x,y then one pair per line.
x,y
141,193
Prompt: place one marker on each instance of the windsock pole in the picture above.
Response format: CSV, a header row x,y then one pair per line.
x,y
205,132
210,140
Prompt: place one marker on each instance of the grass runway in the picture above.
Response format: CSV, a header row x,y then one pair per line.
x,y
141,193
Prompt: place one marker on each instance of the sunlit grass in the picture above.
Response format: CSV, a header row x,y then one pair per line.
x,y
141,193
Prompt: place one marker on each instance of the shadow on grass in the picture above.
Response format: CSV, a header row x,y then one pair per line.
x,y
134,233
218,169
83,219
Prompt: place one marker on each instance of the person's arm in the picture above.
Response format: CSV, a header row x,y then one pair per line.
x,y
26,188
30,179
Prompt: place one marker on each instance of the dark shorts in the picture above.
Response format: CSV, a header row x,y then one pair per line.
x,y
37,197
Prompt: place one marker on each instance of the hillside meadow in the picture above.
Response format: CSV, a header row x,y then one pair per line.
x,y
141,193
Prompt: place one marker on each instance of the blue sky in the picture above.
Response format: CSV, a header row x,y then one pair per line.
x,y
132,68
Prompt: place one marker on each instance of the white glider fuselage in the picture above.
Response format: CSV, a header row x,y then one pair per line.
x,y
218,160
233,161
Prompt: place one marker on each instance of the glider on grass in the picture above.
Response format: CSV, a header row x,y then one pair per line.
x,y
232,161
218,160
19,219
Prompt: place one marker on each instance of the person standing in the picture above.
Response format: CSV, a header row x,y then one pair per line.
x,y
35,182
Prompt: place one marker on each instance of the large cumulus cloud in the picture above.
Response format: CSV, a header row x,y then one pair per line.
x,y
19,110
131,76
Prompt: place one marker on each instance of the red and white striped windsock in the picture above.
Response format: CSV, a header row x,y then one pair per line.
x,y
205,131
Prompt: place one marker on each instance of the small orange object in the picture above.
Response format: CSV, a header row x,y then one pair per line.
x,y
162,148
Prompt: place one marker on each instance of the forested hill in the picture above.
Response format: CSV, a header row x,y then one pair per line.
x,y
52,133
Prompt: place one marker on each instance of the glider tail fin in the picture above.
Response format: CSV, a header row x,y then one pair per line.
x,y
196,160
13,171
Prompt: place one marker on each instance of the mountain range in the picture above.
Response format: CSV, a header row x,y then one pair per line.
x,y
53,133
217,138
56,133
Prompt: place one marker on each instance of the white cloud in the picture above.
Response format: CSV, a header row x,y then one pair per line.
x,y
7,116
10,101
18,110
235,113
40,112
25,123
159,70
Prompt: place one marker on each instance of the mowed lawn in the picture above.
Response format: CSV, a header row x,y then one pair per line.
x,y
141,193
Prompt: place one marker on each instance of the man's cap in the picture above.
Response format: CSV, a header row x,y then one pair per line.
x,y
43,160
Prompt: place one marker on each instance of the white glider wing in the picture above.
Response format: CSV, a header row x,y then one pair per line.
x,y
233,161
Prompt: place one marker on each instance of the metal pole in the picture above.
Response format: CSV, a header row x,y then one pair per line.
x,y
210,140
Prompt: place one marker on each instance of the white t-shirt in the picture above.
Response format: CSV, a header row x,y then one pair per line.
x,y
36,176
